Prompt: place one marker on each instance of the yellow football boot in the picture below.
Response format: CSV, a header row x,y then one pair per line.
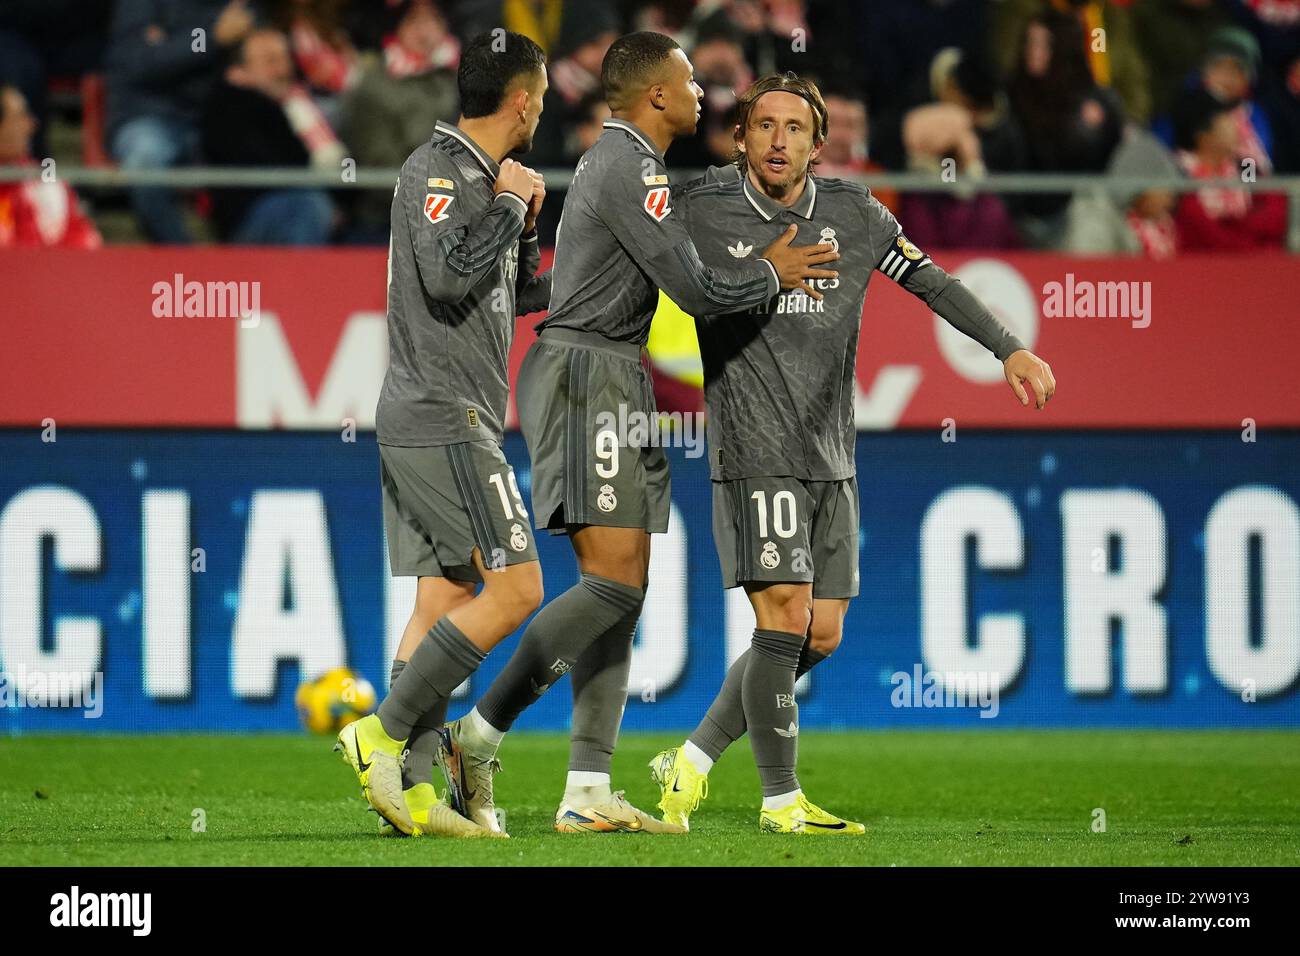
x,y
419,799
682,787
804,816
433,816
377,760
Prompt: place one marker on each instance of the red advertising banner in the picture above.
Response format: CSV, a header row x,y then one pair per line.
x,y
260,338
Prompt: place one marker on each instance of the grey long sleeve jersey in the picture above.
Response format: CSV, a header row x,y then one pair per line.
x,y
620,241
459,273
779,378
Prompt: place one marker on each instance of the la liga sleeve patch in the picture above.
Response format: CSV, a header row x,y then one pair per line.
x,y
435,207
656,203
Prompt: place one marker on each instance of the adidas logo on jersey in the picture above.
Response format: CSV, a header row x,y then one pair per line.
x,y
740,250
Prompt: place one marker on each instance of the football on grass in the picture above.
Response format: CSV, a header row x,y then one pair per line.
x,y
332,701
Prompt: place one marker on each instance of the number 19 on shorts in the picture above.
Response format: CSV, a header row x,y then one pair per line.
x,y
508,506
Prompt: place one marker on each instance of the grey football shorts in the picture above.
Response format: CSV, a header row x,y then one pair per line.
x,y
581,399
443,501
785,530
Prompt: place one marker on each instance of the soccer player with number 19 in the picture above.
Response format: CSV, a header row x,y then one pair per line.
x,y
779,390
462,264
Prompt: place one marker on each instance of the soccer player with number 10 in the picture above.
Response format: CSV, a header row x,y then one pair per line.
x,y
778,382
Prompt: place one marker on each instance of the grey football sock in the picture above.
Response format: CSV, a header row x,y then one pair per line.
x,y
724,722
552,643
808,659
600,695
767,691
423,742
441,661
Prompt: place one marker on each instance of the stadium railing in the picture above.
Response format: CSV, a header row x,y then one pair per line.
x,y
558,179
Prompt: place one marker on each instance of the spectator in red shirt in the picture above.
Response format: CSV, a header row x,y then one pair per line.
x,y
35,212
1216,218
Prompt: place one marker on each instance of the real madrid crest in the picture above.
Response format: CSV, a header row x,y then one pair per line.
x,y
770,558
606,501
518,540
828,235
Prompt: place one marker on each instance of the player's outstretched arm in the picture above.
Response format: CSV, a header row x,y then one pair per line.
x,y
452,250
699,289
957,305
639,210
961,309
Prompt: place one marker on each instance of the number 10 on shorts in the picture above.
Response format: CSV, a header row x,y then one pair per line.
x,y
783,516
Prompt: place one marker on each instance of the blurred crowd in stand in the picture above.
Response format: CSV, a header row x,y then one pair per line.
x,y
1196,89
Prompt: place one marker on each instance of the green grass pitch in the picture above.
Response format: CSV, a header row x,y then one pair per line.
x,y
1186,798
